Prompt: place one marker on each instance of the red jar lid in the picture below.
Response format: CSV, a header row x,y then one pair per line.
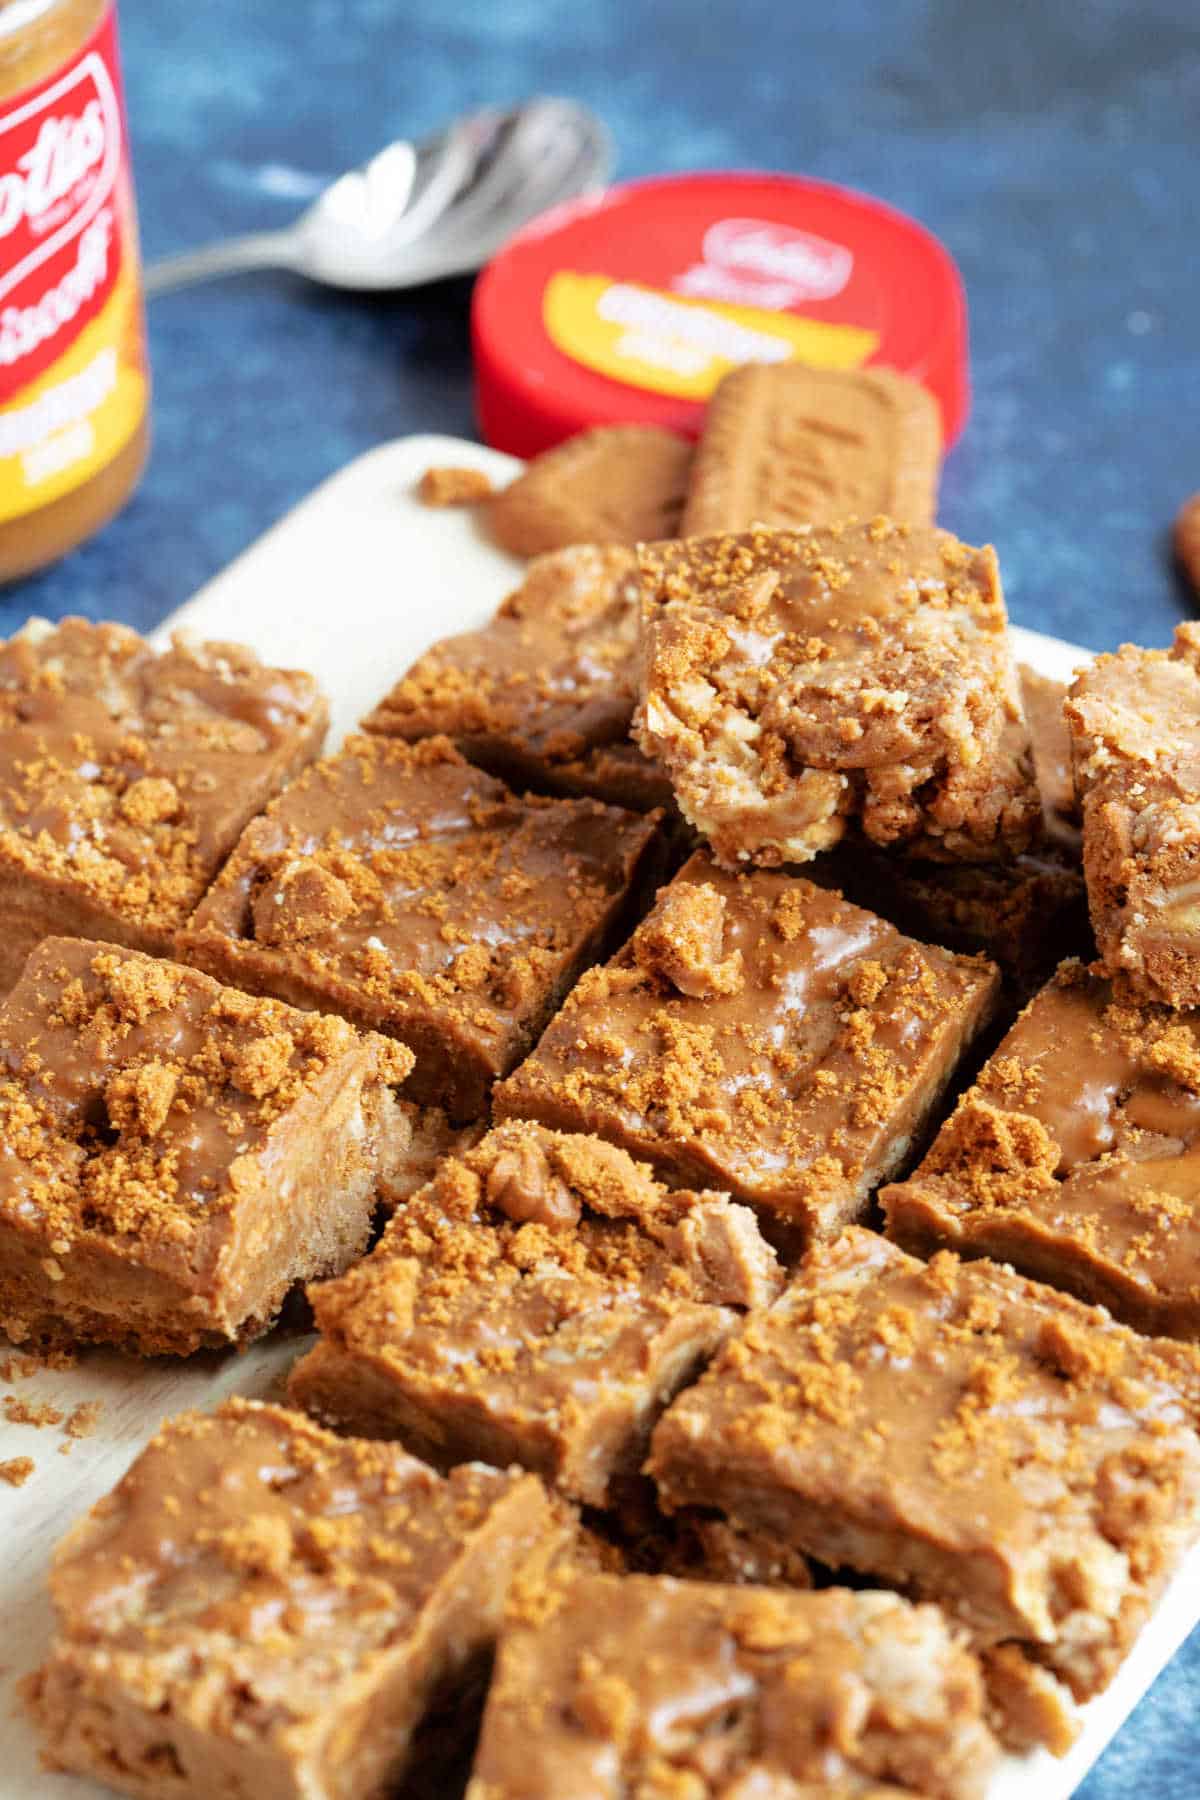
x,y
629,307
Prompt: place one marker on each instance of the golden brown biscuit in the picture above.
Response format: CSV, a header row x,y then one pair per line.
x,y
619,484
784,444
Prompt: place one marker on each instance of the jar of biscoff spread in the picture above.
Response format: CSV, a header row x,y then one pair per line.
x,y
74,388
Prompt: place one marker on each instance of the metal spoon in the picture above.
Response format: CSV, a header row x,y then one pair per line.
x,y
418,212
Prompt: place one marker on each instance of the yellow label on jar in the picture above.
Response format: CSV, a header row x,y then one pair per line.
x,y
72,421
649,338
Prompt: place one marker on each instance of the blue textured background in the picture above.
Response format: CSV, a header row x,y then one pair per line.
x,y
1051,145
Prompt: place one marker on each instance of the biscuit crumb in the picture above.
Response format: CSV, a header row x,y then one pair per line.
x,y
150,801
452,486
139,1100
17,1470
683,941
303,901
82,1420
31,1412
257,1068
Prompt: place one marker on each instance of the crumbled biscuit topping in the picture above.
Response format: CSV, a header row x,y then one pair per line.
x,y
1084,1129
959,1410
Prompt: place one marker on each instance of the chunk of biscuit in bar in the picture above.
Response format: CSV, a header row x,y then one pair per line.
x,y
608,1688
543,694
1135,731
760,1035
617,484
1075,1155
784,444
797,682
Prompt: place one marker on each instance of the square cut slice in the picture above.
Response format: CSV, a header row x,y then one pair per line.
x,y
539,1302
607,1688
761,1035
964,1434
417,896
261,1608
1076,1155
176,1156
126,775
543,694
796,682
1135,731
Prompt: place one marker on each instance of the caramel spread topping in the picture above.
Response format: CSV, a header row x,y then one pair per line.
x,y
759,1033
986,1441
696,1690
1081,1136
545,690
127,773
793,680
131,1091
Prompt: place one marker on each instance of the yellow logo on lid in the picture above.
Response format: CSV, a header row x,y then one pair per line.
x,y
649,338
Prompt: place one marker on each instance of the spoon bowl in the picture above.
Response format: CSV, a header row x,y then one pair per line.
x,y
419,212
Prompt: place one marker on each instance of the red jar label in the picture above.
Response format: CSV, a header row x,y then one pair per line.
x,y
72,358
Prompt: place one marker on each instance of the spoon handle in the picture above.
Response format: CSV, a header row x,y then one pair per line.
x,y
258,250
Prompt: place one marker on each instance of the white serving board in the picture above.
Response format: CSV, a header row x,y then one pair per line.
x,y
353,585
